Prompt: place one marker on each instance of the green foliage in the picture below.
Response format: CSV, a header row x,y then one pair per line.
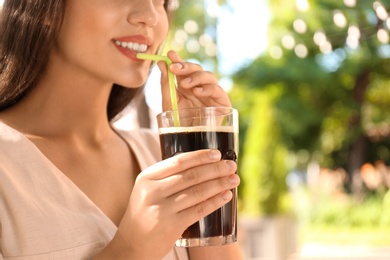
x,y
326,101
370,213
193,10
329,99
262,169
304,100
321,103
318,209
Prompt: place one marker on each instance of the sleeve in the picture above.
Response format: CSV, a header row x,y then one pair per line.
x,y
153,142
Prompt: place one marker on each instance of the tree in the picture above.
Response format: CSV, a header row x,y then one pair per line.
x,y
193,32
262,169
330,59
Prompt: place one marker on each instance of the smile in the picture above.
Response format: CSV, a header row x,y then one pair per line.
x,y
138,47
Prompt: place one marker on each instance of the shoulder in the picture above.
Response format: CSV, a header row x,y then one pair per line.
x,y
140,136
8,134
13,144
144,143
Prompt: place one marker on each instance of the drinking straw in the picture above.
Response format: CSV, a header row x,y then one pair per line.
x,y
171,81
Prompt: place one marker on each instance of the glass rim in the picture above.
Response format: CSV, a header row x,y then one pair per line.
x,y
170,112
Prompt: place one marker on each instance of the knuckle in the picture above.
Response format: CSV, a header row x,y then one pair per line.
x,y
198,191
175,161
191,176
200,209
198,157
171,162
208,206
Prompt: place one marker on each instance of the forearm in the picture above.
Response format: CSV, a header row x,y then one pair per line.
x,y
120,248
227,252
116,249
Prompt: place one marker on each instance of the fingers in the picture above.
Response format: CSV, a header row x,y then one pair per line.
x,y
201,199
206,207
174,193
196,86
190,178
198,178
197,194
191,74
174,57
181,163
202,84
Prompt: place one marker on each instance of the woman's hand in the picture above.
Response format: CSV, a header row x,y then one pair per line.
x,y
170,196
195,87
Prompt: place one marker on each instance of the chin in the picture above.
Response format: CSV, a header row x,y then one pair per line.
x,y
130,87
133,82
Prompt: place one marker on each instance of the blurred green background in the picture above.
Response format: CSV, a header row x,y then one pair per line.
x,y
314,110
311,80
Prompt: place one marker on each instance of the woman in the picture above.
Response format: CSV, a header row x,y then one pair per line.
x,y
71,185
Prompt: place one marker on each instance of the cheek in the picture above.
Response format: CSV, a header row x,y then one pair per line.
x,y
163,28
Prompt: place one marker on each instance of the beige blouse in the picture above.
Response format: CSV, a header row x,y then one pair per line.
x,y
43,214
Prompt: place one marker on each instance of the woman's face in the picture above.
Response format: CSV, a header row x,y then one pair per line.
x,y
99,39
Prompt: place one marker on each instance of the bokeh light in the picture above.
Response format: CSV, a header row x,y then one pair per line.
x,y
302,5
319,38
383,36
276,52
300,26
191,27
350,3
326,47
301,51
339,19
380,11
288,42
193,46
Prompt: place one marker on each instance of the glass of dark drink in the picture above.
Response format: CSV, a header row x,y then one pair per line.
x,y
193,129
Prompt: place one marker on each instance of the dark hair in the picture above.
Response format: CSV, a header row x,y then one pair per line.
x,y
28,30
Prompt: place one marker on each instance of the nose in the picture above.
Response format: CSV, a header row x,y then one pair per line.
x,y
144,13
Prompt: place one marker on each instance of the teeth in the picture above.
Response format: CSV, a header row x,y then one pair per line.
x,y
133,46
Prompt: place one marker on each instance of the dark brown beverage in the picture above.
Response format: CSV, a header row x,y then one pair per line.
x,y
221,222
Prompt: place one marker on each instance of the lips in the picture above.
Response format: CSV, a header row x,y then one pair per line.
x,y
131,45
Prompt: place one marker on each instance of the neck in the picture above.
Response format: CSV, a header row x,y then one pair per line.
x,y
64,106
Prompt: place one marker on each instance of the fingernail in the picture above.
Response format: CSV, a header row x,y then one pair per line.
x,y
199,90
178,66
234,179
187,80
231,165
215,155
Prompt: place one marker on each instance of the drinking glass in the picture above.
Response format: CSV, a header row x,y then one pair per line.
x,y
193,129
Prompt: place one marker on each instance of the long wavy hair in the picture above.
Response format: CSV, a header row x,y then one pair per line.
x,y
28,30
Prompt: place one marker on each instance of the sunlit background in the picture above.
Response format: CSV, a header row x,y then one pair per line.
x,y
311,79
